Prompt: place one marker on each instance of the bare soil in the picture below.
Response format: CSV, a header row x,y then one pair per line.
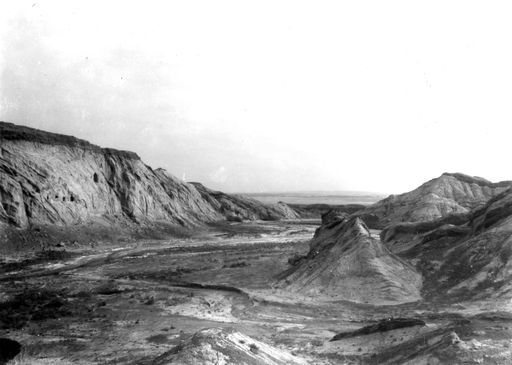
x,y
130,303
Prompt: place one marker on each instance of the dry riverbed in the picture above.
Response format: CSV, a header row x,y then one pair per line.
x,y
129,305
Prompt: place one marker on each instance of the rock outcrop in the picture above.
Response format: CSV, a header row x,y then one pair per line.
x,y
52,179
346,263
225,346
451,193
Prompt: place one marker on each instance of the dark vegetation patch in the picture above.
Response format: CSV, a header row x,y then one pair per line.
x,y
383,325
40,257
38,238
33,305
254,348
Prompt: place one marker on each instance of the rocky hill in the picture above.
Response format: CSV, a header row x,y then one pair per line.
x,y
450,193
52,179
468,257
458,256
225,346
346,262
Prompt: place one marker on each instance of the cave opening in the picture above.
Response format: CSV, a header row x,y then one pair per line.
x,y
95,177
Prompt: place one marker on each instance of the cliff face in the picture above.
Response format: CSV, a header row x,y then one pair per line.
x,y
447,194
346,262
47,178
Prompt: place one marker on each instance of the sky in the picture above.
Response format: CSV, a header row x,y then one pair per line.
x,y
255,96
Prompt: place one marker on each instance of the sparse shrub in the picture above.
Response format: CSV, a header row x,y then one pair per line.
x,y
296,259
254,349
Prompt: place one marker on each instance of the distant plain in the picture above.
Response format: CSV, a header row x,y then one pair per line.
x,y
319,197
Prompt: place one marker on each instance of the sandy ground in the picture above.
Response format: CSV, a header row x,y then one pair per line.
x,y
129,305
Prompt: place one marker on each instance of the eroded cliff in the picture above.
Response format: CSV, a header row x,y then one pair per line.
x,y
51,179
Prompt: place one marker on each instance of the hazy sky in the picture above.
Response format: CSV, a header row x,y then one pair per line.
x,y
270,95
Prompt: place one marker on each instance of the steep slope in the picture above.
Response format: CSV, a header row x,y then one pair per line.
x,y
51,179
239,207
346,262
471,260
448,194
225,346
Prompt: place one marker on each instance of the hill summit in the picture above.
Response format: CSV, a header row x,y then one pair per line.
x,y
447,194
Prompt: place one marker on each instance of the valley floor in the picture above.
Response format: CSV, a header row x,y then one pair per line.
x,y
128,305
